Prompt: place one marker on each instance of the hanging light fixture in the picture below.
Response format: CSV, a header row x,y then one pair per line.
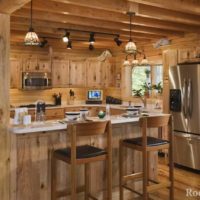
x,y
69,44
66,37
31,38
91,39
144,61
130,46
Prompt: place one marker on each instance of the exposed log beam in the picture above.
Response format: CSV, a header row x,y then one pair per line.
x,y
112,5
9,6
41,23
188,6
48,16
75,10
144,10
164,14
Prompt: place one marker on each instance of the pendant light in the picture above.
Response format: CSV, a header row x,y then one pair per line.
x,y
130,46
31,38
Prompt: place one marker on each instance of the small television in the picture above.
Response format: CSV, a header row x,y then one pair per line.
x,y
95,95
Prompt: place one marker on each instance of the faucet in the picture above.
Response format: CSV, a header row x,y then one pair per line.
x,y
144,100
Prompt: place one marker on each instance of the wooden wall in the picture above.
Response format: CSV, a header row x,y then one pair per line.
x,y
4,106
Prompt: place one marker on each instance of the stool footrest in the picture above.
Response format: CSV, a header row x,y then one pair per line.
x,y
92,197
132,190
158,186
66,192
133,176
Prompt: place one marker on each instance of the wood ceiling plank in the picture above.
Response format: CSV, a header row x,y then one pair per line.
x,y
94,13
187,6
165,14
48,16
41,23
111,5
9,6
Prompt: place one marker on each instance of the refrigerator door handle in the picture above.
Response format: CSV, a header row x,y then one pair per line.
x,y
184,99
189,102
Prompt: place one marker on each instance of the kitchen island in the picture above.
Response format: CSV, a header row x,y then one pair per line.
x,y
31,158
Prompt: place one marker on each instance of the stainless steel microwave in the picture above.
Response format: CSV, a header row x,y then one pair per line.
x,y
36,80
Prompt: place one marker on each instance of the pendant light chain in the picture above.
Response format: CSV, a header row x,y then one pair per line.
x,y
130,28
31,15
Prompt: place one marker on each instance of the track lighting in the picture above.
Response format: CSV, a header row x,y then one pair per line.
x,y
117,40
66,37
43,43
69,45
91,47
91,39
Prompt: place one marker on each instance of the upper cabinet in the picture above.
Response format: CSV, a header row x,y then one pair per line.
x,y
60,73
94,71
36,64
15,72
77,71
188,55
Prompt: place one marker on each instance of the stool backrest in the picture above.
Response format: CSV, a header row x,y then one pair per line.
x,y
90,128
155,121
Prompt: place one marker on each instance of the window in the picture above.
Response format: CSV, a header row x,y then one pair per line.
x,y
145,76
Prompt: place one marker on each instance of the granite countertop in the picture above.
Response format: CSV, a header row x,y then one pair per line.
x,y
54,125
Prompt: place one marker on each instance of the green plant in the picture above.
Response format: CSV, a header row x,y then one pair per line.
x,y
146,86
158,87
147,72
138,93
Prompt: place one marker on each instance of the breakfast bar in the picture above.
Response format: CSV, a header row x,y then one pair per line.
x,y
31,157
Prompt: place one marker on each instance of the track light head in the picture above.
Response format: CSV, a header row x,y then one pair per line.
x,y
117,40
66,37
69,45
91,39
43,43
91,47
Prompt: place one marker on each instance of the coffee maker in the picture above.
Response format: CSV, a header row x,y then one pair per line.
x,y
40,111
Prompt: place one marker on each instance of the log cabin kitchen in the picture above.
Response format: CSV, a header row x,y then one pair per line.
x,y
99,99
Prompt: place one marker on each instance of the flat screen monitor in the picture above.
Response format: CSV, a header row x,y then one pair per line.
x,y
95,95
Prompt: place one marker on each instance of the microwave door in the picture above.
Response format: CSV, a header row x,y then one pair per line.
x,y
194,99
178,76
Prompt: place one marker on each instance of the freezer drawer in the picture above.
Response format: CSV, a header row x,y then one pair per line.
x,y
187,150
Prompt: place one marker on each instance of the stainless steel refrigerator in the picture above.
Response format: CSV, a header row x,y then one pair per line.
x,y
185,108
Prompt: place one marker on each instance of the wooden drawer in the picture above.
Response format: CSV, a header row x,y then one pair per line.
x,y
114,111
57,113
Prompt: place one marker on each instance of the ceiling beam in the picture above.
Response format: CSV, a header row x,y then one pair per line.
x,y
75,10
188,6
9,6
164,14
111,5
41,23
48,16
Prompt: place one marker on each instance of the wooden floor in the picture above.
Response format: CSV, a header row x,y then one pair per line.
x,y
183,179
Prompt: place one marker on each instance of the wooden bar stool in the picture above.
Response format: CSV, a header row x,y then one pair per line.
x,y
86,154
146,144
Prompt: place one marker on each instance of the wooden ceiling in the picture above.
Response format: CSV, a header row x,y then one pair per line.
x,y
154,20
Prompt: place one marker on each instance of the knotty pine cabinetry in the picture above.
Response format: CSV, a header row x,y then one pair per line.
x,y
77,73
60,73
15,73
36,64
191,54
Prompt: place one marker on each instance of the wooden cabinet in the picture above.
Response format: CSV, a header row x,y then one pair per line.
x,y
108,74
189,55
60,73
15,73
94,71
36,64
115,111
77,71
56,113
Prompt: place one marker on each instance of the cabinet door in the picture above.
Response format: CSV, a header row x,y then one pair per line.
x,y
108,74
186,55
44,65
15,73
94,74
60,73
77,73
30,64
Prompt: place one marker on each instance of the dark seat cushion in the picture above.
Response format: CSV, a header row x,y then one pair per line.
x,y
151,141
85,151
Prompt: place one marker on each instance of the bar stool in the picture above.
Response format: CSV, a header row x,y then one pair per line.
x,y
146,144
85,154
